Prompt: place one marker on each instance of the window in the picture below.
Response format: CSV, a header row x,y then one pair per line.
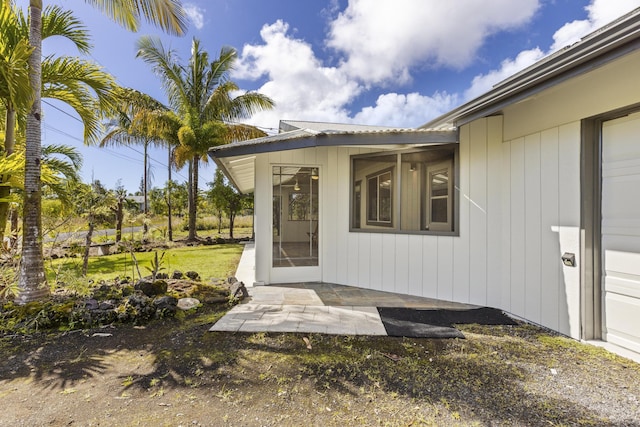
x,y
438,211
409,191
379,201
295,216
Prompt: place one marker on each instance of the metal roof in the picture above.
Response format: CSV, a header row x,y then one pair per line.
x,y
288,125
356,136
602,46
237,159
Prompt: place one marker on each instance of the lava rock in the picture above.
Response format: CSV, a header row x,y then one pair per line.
x,y
91,304
152,289
177,275
165,306
192,275
238,291
106,305
188,303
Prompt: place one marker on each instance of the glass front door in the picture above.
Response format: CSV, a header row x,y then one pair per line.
x,y
295,216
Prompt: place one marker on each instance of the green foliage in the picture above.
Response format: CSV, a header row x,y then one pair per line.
x,y
156,265
226,199
204,105
71,279
202,224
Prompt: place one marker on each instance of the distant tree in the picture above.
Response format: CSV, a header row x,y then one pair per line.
x,y
120,195
158,201
136,121
94,203
205,103
225,198
216,196
179,197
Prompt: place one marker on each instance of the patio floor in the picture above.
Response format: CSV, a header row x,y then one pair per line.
x,y
314,307
319,308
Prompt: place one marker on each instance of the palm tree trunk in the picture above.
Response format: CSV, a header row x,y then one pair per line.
x,y
145,226
169,226
193,182
85,258
9,144
119,218
32,283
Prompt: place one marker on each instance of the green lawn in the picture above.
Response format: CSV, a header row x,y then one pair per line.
x,y
216,261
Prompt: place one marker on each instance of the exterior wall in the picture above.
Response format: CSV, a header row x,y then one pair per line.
x,y
604,89
519,210
541,211
511,232
542,203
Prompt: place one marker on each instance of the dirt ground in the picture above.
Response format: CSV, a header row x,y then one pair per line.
x,y
175,373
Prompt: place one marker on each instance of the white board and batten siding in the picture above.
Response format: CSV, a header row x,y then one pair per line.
x,y
621,231
519,212
459,267
541,220
512,231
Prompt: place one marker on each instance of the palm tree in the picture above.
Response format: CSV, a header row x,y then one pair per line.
x,y
68,79
15,91
136,122
60,165
168,14
200,94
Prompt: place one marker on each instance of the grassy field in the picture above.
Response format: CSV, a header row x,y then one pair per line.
x,y
194,258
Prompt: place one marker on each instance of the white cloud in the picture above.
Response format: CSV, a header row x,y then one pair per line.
x,y
412,110
381,44
382,41
195,14
601,12
296,80
484,82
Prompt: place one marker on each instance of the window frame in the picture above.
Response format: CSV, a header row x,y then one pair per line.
x,y
378,222
396,188
428,212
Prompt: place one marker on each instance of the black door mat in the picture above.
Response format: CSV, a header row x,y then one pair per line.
x,y
415,323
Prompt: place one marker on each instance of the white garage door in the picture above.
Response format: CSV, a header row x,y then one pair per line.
x,y
621,231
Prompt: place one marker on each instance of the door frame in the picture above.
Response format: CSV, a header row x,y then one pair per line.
x,y
300,273
591,315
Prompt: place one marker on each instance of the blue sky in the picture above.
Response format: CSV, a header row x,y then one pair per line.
x,y
382,62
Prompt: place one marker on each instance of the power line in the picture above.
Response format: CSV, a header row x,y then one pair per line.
x,y
114,153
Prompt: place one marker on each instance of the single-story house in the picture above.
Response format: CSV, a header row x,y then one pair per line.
x,y
137,201
526,198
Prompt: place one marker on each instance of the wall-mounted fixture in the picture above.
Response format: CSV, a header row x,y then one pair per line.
x,y
569,259
412,167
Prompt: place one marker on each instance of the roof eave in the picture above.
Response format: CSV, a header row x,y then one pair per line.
x,y
338,139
